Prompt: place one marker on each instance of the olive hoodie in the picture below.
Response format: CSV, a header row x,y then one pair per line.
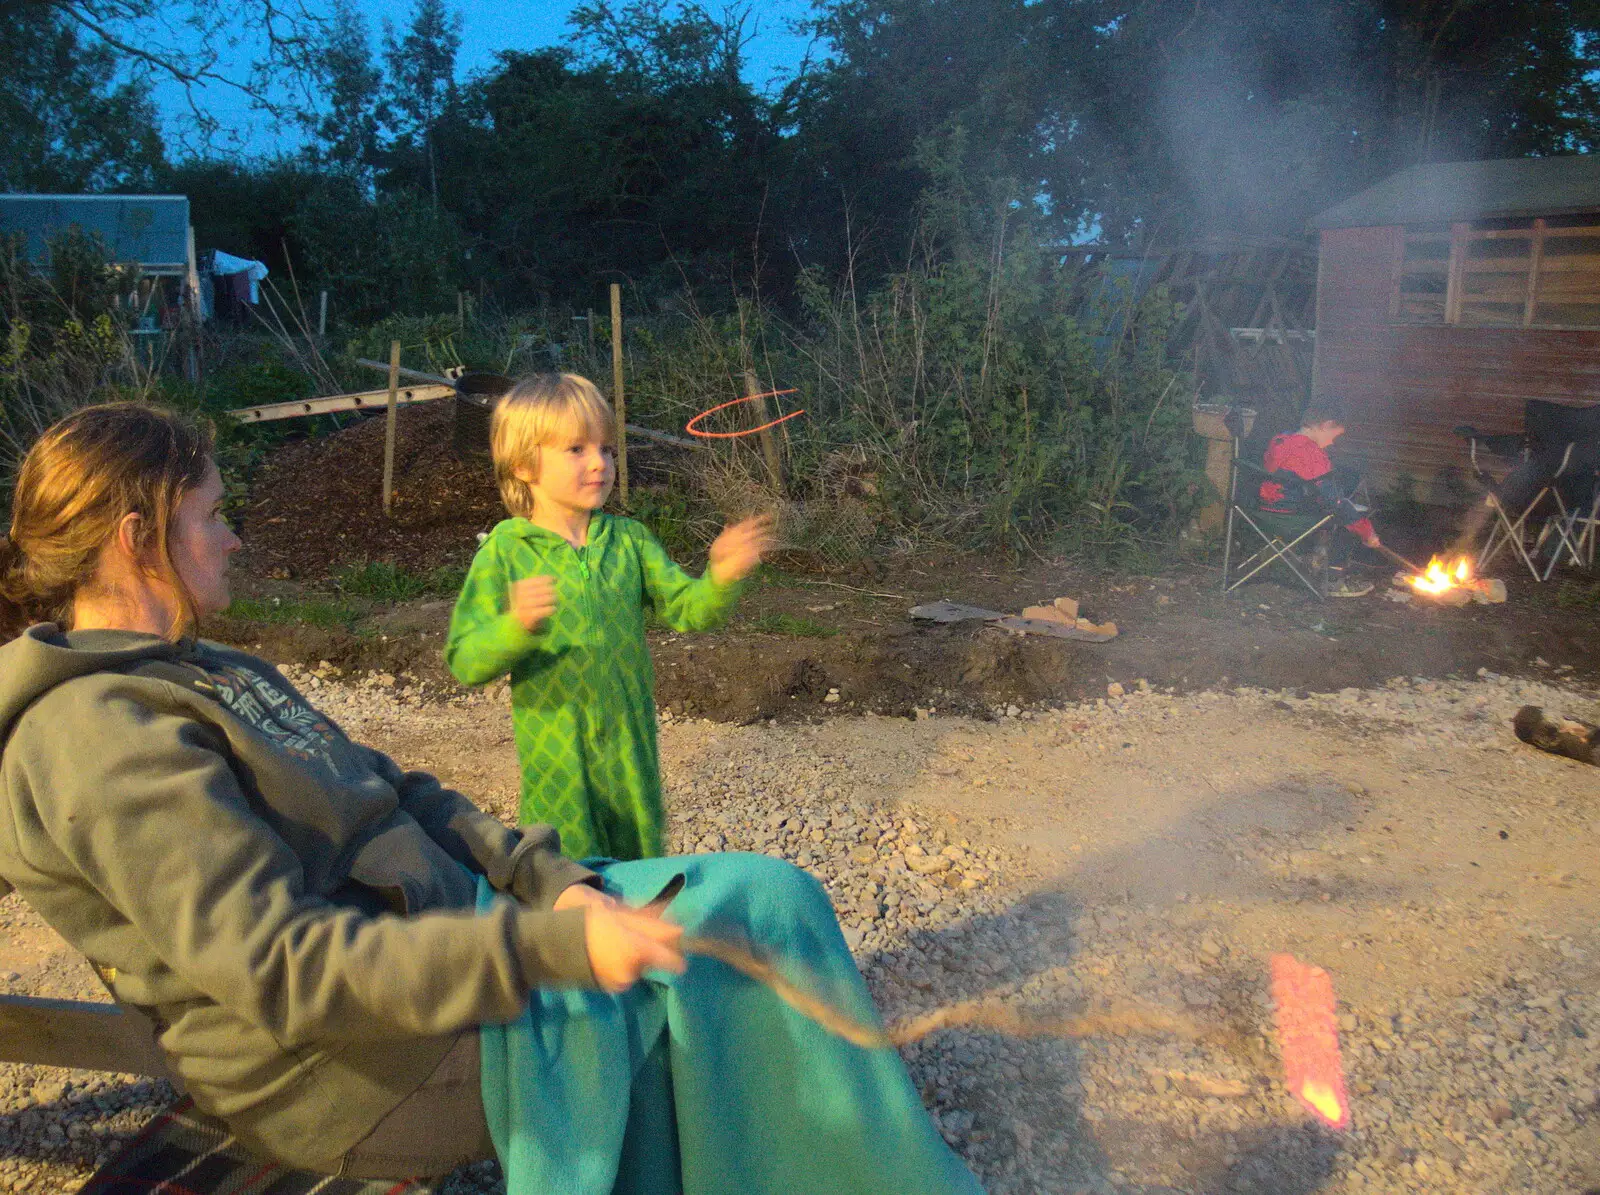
x,y
295,914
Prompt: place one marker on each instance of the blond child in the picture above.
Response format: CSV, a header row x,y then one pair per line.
x,y
556,597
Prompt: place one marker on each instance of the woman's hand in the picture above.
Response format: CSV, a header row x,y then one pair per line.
x,y
624,943
584,896
533,599
740,548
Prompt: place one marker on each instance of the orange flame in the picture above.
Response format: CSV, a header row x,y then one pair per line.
x,y
1439,576
1324,1099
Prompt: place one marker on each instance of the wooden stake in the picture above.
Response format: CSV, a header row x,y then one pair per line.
x,y
461,308
769,442
322,315
618,399
389,427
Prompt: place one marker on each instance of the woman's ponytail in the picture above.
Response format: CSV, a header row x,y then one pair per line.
x,y
16,611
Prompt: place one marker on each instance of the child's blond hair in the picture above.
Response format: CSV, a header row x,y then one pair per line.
x,y
540,410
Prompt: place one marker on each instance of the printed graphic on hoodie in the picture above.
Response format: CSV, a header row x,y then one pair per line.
x,y
292,726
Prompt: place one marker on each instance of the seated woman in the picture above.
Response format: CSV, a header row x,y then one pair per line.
x,y
353,966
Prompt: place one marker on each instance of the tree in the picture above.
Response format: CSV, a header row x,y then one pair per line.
x,y
345,127
185,41
66,123
422,78
969,90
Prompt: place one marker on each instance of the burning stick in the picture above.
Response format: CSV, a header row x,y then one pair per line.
x,y
1308,1039
1399,559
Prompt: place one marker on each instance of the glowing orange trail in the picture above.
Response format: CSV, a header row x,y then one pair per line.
x,y
1308,1039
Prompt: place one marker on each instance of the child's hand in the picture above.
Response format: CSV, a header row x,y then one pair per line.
x,y
533,599
740,548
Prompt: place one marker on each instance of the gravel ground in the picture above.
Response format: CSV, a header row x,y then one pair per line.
x,y
1146,849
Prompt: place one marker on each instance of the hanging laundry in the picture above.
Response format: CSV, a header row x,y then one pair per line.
x,y
250,270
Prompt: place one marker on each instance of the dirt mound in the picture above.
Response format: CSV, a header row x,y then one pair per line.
x,y
317,506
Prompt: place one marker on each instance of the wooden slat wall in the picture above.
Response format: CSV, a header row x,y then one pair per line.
x,y
1406,387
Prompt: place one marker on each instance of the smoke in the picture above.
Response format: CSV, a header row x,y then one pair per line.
x,y
1249,108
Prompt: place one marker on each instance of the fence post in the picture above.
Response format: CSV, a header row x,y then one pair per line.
x,y
618,398
389,427
769,442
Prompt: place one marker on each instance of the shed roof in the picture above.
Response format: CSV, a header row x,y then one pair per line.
x,y
151,231
1440,192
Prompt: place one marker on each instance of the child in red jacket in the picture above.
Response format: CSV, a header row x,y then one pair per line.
x,y
1305,454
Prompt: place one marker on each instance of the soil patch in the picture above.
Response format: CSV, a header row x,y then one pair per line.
x,y
808,643
317,505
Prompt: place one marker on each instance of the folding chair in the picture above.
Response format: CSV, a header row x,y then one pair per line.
x,y
1550,495
1573,526
1281,537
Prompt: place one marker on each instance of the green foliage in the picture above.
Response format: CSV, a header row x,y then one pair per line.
x,y
344,129
976,400
387,582
63,339
267,379
671,515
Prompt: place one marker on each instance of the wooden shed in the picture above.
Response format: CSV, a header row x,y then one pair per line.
x,y
1451,294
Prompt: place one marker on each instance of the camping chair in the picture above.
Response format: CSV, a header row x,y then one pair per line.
x,y
1273,536
1550,495
180,1140
1572,528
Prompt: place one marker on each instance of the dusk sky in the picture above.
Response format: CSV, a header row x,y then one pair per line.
x,y
488,26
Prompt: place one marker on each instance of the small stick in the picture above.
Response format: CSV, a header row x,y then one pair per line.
x,y
1400,560
820,1011
975,1014
997,1018
899,597
619,401
389,428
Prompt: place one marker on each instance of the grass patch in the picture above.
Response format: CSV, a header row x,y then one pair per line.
x,y
313,612
789,624
1578,595
385,582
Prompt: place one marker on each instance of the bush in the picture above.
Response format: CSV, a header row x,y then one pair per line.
x,y
64,342
1001,403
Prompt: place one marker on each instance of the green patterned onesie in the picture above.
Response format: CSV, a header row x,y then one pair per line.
x,y
582,688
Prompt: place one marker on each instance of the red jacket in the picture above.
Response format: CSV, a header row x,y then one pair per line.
x,y
1299,454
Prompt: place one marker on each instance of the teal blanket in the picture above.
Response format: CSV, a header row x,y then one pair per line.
x,y
706,1082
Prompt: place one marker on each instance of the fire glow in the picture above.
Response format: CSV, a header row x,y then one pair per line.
x,y
1308,1039
1324,1101
1439,577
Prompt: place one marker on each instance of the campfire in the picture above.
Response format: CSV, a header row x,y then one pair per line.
x,y
1449,582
